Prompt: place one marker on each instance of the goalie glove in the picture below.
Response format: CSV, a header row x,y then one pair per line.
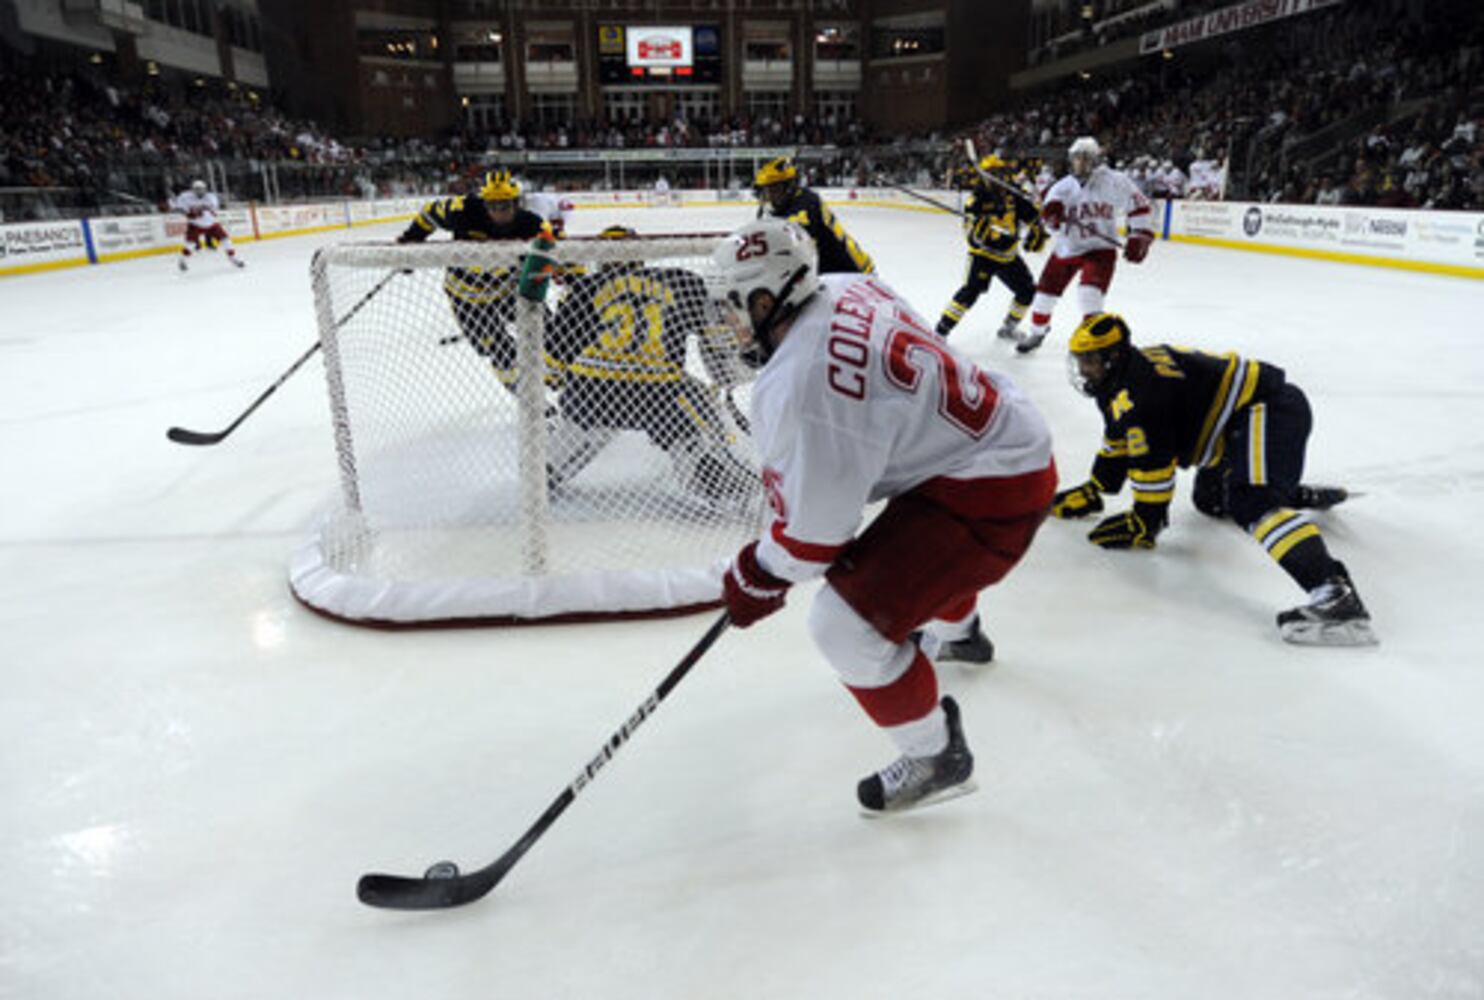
x,y
1133,529
1078,501
1137,246
751,592
1035,238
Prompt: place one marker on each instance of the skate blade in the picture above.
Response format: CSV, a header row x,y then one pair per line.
x,y
1029,344
1356,633
937,798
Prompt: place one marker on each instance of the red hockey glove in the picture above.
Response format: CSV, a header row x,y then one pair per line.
x,y
1137,247
752,593
1053,214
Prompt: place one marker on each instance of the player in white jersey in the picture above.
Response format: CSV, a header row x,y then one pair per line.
x,y
1083,209
551,207
859,401
200,208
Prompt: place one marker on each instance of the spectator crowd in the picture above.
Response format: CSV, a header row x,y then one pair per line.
x,y
1371,102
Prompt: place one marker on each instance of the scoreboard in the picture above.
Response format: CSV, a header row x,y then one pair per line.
x,y
659,55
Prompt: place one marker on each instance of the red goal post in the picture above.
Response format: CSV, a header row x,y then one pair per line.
x,y
483,480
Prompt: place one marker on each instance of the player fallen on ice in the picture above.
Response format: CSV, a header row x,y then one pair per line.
x,y
201,208
1083,209
994,217
780,196
1245,427
856,401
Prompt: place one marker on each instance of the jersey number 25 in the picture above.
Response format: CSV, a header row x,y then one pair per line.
x,y
966,403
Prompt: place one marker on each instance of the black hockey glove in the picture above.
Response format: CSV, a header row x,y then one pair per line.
x,y
1078,501
1035,238
1133,529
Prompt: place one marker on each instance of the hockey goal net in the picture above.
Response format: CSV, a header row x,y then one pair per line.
x,y
503,460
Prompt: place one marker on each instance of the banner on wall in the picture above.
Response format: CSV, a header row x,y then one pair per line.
x,y
1448,238
1237,17
28,243
126,233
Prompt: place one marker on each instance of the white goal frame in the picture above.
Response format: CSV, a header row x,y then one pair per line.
x,y
340,572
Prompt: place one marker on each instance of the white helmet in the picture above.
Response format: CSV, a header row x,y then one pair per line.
x,y
1085,144
1084,153
198,186
769,255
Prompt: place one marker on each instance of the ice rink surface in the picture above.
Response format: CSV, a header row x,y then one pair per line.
x,y
1173,803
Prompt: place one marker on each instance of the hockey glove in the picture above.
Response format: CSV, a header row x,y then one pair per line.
x,y
1053,213
1137,246
751,592
1078,501
1035,238
1133,529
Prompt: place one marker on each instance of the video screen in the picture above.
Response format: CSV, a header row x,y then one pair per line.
x,y
651,47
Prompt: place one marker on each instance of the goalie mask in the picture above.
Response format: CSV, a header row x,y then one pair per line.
x,y
1084,154
766,271
1098,353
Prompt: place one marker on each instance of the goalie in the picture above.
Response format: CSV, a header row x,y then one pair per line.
x,y
620,336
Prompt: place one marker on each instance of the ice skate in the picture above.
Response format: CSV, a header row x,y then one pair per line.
x,y
973,648
1319,497
237,262
1334,616
1030,341
910,782
1008,330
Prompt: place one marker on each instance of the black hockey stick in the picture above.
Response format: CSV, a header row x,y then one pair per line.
x,y
181,435
991,179
442,886
921,197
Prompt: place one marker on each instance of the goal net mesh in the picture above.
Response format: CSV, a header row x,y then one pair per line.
x,y
504,460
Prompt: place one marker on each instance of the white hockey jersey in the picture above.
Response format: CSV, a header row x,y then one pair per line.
x,y
1092,210
199,209
863,401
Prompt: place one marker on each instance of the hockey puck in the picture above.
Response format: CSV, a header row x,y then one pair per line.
x,y
442,869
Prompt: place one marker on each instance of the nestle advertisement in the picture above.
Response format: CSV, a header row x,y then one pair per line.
x,y
1452,238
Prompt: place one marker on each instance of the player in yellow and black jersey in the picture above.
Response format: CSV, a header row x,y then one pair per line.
x,y
993,220
1245,427
781,196
620,335
483,299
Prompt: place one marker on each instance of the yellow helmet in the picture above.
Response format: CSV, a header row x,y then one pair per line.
x,y
991,163
1099,332
1098,353
775,171
499,186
